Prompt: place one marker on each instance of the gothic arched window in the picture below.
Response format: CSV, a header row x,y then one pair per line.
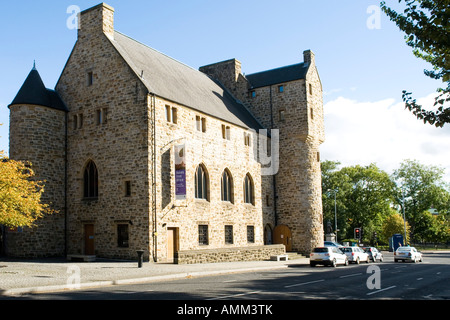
x,y
226,186
90,181
249,190
201,183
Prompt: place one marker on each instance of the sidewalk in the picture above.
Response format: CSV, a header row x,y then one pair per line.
x,y
34,276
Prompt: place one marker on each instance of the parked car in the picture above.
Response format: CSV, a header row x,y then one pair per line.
x,y
407,254
332,244
331,256
374,254
356,254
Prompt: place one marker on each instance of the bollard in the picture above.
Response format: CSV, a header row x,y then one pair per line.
x,y
140,257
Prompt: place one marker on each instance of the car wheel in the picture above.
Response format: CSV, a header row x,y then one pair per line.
x,y
421,259
346,262
334,264
357,260
381,259
368,260
312,264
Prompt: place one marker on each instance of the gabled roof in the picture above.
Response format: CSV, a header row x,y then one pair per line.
x,y
177,82
33,91
279,75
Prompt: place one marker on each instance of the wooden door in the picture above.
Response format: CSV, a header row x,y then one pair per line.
x,y
89,248
172,243
282,235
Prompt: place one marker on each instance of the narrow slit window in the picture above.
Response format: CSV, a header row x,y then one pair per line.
x,y
90,78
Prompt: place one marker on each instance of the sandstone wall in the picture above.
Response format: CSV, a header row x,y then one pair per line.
x,y
37,135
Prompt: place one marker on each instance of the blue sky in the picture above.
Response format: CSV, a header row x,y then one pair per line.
x,y
363,70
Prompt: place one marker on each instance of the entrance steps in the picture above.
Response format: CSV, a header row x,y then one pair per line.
x,y
80,257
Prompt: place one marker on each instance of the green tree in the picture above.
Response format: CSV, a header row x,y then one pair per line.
x,y
420,188
363,198
393,224
20,194
427,27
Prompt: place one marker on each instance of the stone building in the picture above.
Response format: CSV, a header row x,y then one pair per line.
x,y
141,152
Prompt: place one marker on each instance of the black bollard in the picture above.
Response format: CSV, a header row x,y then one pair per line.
x,y
140,257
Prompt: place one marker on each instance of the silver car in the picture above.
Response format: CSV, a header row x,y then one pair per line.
x,y
407,254
330,256
374,254
356,254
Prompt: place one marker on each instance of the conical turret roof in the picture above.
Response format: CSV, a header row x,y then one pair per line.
x,y
33,91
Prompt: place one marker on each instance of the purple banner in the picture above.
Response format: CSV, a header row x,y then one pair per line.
x,y
180,172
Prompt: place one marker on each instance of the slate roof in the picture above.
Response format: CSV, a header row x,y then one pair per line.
x,y
177,82
279,75
33,91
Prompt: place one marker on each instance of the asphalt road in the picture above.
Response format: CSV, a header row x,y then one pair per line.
x,y
428,280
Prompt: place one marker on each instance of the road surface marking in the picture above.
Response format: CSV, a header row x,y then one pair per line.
x,y
235,295
351,275
303,283
370,293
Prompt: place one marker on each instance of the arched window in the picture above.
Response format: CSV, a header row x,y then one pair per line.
x,y
249,190
91,181
226,186
201,183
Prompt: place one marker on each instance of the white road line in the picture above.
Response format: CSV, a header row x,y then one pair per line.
x,y
303,283
235,295
388,288
351,275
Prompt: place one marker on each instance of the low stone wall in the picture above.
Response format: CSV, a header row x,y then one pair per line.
x,y
253,253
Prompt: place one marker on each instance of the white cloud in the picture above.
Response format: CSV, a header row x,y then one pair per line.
x,y
382,132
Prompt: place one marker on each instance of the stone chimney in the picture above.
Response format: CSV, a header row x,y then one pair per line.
x,y
95,21
227,72
309,57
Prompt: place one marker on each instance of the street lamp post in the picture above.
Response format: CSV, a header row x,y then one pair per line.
x,y
335,212
404,217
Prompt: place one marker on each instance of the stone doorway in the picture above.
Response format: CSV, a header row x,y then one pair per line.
x,y
282,235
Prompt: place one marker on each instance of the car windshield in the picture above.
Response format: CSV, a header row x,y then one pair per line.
x,y
320,249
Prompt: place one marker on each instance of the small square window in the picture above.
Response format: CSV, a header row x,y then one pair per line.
x,y
228,234
282,115
247,139
250,234
200,123
253,94
122,236
225,132
101,116
77,121
203,235
168,114
280,89
174,115
127,188
171,114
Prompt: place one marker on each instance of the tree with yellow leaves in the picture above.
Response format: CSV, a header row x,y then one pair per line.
x,y
20,194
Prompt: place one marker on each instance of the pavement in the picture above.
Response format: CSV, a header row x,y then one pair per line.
x,y
18,277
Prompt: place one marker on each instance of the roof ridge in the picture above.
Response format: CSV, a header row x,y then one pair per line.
x,y
278,68
156,50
